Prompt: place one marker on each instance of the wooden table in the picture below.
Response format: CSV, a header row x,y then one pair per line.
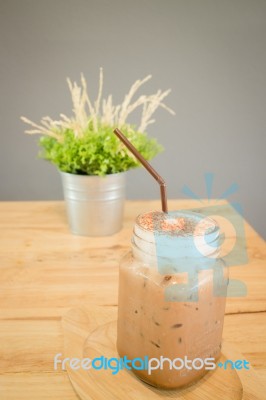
x,y
45,271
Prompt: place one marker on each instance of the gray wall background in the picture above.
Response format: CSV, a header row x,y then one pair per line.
x,y
210,52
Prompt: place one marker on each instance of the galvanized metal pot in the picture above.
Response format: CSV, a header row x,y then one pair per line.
x,y
95,204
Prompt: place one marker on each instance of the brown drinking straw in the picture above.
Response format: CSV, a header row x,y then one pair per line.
x,y
148,167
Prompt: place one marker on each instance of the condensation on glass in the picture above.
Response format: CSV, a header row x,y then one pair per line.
x,y
172,293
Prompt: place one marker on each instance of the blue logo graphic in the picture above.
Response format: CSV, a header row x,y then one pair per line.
x,y
238,364
149,364
214,241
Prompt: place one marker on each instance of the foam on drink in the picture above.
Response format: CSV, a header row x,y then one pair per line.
x,y
148,324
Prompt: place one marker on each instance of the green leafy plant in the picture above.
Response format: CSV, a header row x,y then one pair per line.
x,y
85,143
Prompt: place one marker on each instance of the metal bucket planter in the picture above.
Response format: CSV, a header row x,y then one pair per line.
x,y
94,204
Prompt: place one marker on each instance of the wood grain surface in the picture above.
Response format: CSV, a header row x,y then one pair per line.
x,y
90,332
45,271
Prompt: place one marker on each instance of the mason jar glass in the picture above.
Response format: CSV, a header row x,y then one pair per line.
x,y
172,293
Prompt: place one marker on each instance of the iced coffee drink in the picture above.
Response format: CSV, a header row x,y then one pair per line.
x,y
172,292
